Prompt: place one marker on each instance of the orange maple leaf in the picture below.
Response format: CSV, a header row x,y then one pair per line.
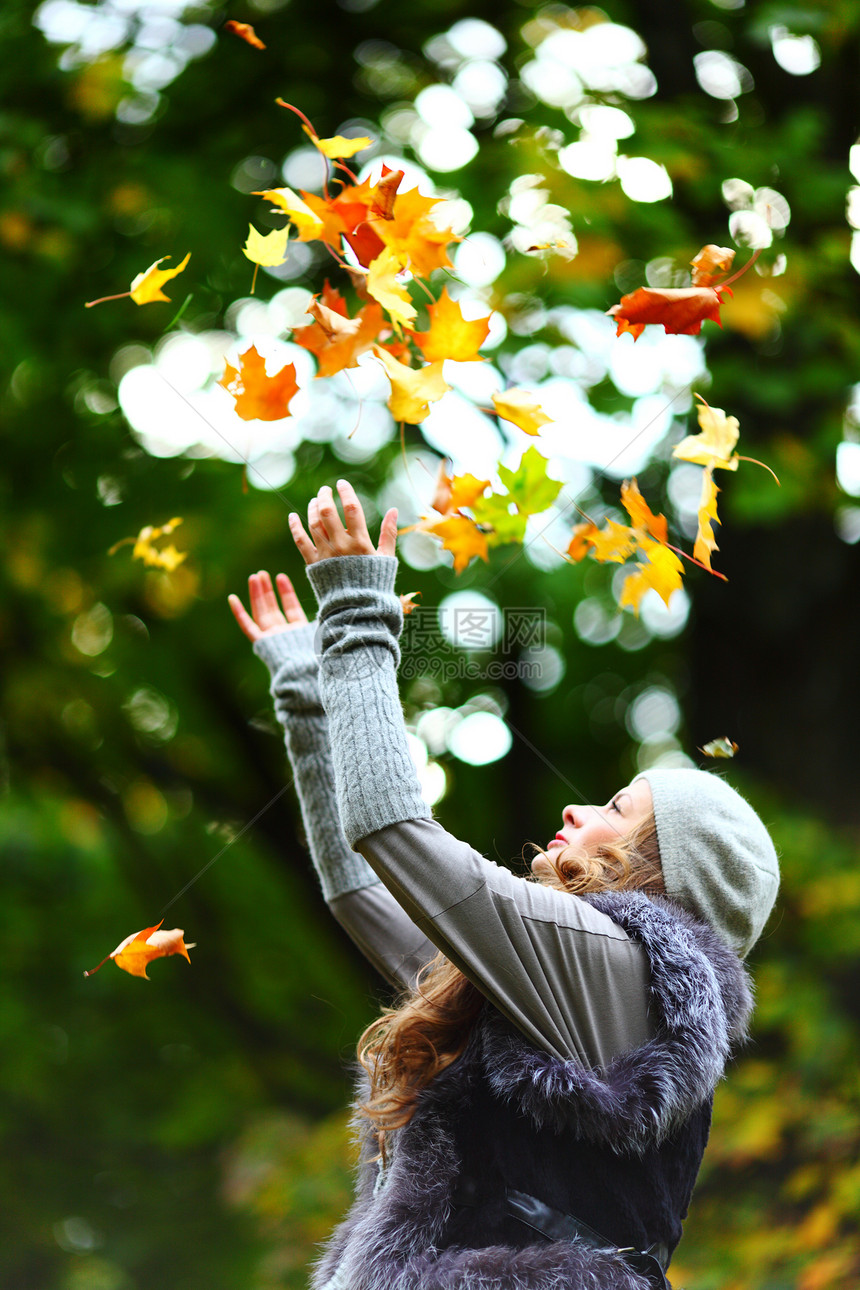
x,y
462,537
640,512
335,339
681,310
454,491
414,235
711,262
245,32
138,950
451,335
408,602
258,396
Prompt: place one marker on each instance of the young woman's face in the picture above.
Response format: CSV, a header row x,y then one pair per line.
x,y
589,827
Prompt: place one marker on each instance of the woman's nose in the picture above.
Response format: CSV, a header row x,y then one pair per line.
x,y
571,816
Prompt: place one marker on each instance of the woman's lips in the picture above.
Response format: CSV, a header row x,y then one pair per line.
x,y
559,838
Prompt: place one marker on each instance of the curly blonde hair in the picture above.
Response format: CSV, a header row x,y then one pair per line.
x,y
409,1045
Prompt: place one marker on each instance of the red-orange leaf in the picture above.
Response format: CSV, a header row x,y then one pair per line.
x,y
681,310
335,339
245,32
258,396
137,951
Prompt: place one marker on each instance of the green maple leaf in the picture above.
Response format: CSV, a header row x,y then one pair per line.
x,y
494,512
528,486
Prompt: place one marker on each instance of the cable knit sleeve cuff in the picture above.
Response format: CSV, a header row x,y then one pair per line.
x,y
360,621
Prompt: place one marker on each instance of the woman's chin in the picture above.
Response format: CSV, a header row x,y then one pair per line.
x,y
542,867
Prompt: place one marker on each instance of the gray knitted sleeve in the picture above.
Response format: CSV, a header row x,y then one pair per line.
x,y
361,904
290,658
360,622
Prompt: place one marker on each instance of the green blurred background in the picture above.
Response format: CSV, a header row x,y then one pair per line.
x,y
190,1132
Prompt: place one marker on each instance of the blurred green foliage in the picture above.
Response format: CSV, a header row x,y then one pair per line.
x,y
187,1132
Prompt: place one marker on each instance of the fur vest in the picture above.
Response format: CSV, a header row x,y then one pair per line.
x,y
619,1147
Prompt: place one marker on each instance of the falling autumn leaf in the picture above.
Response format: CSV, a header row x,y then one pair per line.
x,y
259,396
714,446
268,249
245,32
308,224
723,747
418,233
613,543
336,340
711,262
338,145
412,388
462,537
382,284
681,310
451,335
456,491
386,191
408,602
640,513
146,287
706,543
167,557
522,409
662,572
137,951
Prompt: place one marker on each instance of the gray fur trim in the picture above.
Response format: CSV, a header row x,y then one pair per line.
x,y
702,1003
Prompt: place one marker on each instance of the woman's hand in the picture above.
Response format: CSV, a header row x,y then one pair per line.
x,y
330,536
266,617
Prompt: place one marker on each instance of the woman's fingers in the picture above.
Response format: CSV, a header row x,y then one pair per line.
x,y
266,610
329,518
388,533
290,601
307,550
356,524
243,618
318,530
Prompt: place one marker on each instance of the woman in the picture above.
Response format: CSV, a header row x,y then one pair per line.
x,y
534,1113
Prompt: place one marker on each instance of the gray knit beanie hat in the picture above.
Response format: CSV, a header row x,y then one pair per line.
x,y
717,857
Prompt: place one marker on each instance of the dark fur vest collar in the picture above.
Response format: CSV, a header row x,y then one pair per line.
x,y
394,1236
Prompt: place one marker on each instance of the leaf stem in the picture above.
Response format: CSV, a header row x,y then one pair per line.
x,y
693,560
755,462
102,299
750,262
93,971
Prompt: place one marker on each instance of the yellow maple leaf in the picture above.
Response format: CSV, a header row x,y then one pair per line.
x,y
462,537
522,408
338,145
268,249
715,445
451,335
662,573
708,517
412,388
146,287
382,284
615,542
308,224
154,557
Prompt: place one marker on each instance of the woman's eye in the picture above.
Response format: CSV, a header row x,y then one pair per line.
x,y
615,807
